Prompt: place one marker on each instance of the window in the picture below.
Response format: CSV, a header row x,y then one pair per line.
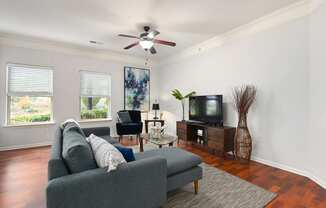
x,y
95,95
29,94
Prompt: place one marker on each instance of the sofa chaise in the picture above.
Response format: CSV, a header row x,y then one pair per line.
x,y
143,183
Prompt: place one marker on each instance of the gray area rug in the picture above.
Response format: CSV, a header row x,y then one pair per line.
x,y
219,189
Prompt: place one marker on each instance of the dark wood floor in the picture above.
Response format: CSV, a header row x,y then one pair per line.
x,y
23,178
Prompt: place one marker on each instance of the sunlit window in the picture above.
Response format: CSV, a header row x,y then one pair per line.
x,y
95,95
29,94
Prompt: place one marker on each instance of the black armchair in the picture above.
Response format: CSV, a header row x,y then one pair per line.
x,y
133,127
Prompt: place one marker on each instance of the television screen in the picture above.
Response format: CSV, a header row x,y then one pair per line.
x,y
206,109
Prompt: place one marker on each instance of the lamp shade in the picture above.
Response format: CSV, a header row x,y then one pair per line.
x,y
156,106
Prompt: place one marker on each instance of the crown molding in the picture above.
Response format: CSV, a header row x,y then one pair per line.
x,y
284,15
14,40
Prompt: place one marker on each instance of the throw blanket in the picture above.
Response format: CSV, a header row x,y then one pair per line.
x,y
71,124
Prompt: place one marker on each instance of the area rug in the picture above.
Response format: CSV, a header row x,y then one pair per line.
x,y
217,189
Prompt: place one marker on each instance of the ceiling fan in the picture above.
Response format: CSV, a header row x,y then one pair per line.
x,y
147,40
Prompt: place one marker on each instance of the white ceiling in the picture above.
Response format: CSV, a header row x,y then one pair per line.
x,y
187,22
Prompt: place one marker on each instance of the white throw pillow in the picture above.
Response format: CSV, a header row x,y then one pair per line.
x,y
106,155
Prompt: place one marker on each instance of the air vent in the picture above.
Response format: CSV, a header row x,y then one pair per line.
x,y
95,42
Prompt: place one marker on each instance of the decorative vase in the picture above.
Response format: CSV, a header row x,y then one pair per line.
x,y
243,97
243,141
155,132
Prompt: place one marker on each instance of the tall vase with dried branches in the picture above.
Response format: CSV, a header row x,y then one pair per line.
x,y
243,97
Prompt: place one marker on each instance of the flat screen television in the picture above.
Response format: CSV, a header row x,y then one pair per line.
x,y
207,109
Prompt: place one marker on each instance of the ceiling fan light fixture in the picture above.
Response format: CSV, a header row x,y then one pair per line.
x,y
146,44
150,35
147,40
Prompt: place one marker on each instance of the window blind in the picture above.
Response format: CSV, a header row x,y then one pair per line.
x,y
29,80
94,84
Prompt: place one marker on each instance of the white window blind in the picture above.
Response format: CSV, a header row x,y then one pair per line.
x,y
29,80
94,84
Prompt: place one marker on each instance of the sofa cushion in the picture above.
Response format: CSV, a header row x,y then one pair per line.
x,y
106,155
178,160
131,126
76,152
99,131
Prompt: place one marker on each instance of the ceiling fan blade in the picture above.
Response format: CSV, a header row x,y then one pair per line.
x,y
152,50
128,36
131,45
153,33
163,42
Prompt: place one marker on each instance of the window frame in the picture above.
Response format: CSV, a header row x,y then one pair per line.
x,y
8,103
109,115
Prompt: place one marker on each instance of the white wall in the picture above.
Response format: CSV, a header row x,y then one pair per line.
x,y
66,91
278,61
287,64
317,136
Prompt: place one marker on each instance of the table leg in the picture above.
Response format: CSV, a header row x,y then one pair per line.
x,y
146,127
141,144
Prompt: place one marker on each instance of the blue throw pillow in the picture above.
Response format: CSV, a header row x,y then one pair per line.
x,y
127,153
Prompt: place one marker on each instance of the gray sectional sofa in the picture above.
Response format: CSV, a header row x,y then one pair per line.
x,y
143,183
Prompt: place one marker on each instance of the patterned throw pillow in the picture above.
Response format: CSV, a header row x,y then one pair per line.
x,y
106,155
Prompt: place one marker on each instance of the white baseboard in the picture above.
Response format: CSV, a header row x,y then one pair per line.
x,y
307,174
317,179
25,146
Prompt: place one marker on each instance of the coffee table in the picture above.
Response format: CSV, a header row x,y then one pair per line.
x,y
165,139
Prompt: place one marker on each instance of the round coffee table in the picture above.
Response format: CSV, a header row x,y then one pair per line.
x,y
165,139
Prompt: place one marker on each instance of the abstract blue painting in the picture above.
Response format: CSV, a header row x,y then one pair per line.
x,y
137,88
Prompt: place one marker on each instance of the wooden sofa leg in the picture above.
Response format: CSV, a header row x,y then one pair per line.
x,y
196,186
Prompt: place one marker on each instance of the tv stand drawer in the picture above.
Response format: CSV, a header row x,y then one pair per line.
x,y
215,145
215,134
182,126
217,139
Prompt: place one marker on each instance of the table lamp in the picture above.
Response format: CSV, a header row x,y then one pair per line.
x,y
156,107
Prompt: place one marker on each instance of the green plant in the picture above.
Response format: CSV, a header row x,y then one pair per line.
x,y
94,114
178,95
30,118
40,118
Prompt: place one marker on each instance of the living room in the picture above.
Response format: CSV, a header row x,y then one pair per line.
x,y
73,65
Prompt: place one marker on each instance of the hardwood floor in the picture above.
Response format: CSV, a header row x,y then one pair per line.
x,y
23,178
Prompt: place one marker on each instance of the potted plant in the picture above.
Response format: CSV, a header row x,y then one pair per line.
x,y
243,97
177,94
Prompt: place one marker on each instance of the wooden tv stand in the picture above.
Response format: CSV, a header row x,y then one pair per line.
x,y
218,140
